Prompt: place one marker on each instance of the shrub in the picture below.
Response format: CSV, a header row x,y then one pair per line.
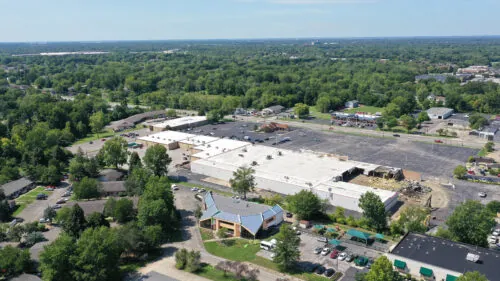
x,y
181,257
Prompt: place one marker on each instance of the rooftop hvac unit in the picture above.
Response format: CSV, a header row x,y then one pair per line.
x,y
472,257
269,157
280,153
244,150
240,155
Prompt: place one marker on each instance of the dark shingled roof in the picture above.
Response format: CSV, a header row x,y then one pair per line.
x,y
113,186
14,186
448,254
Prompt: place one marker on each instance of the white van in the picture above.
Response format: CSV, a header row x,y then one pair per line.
x,y
266,245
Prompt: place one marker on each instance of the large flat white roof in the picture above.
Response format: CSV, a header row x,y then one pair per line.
x,y
173,123
199,140
299,168
166,137
217,147
353,190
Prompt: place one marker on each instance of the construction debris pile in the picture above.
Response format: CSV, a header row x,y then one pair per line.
x,y
414,189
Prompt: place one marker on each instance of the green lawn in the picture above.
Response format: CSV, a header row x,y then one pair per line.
x,y
369,109
241,250
93,137
319,115
28,198
212,273
246,250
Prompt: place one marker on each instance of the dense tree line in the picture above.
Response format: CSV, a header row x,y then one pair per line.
x,y
35,128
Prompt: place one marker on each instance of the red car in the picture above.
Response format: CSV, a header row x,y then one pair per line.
x,y
438,141
334,254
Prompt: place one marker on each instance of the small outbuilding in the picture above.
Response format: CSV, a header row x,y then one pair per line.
x,y
352,104
272,110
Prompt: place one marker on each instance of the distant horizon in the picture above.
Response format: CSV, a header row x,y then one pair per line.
x,y
148,20
253,39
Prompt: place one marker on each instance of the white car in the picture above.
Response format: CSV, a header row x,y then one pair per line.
x,y
342,256
175,187
482,194
492,240
325,251
495,233
194,189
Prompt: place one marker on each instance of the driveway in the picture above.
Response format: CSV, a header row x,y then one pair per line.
x,y
34,211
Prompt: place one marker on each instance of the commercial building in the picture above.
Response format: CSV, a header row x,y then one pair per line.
x,y
433,258
217,147
196,140
288,172
178,123
239,217
15,188
131,121
170,139
439,112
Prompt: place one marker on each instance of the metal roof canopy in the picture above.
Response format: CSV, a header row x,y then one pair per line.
x,y
359,234
427,272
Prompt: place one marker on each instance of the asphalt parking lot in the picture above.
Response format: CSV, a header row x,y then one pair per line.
x,y
436,160
34,211
91,149
309,242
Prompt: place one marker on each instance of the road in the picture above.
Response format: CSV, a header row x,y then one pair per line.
x,y
479,143
185,203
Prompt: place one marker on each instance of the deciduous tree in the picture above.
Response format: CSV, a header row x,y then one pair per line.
x,y
243,180
157,160
287,251
373,210
114,152
382,270
305,204
471,223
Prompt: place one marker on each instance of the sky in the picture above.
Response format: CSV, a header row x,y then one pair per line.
x,y
99,20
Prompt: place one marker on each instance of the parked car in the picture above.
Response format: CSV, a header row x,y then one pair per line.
x,y
61,201
492,240
49,189
194,189
334,254
43,220
438,141
103,139
289,215
201,190
318,250
482,194
175,187
322,239
66,194
325,251
349,257
56,206
369,264
41,196
396,135
329,272
495,233
342,256
320,270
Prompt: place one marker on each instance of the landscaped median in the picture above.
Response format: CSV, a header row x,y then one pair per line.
x,y
246,251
